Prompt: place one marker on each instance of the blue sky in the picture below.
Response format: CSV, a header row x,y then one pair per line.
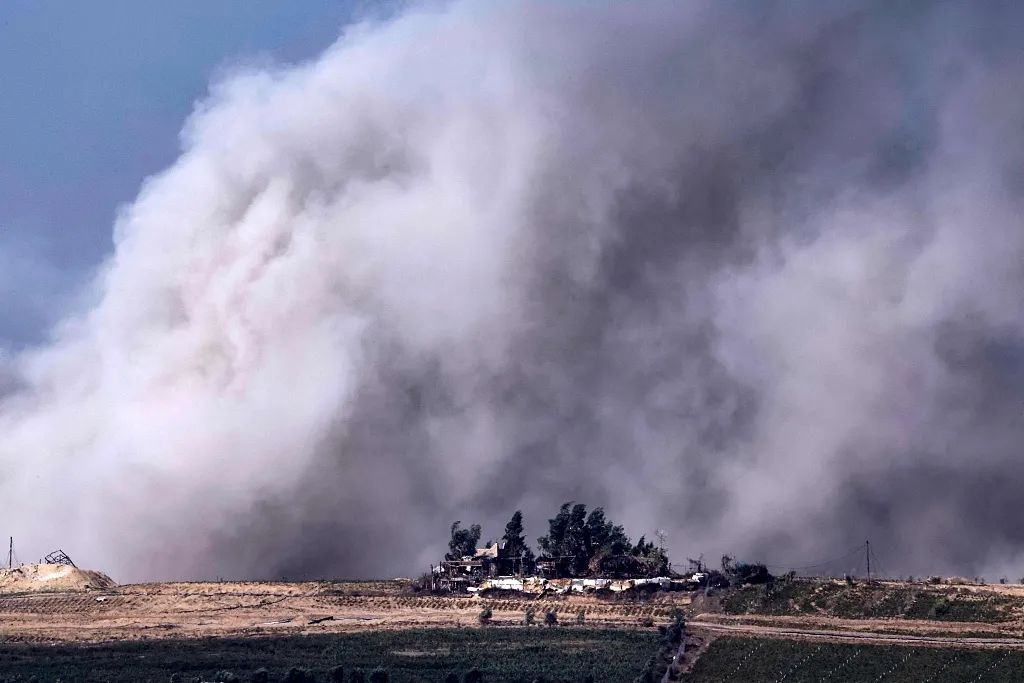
x,y
92,96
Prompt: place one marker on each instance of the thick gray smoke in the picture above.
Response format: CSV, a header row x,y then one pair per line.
x,y
748,274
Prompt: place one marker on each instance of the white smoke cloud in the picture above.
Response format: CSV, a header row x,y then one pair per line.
x,y
481,257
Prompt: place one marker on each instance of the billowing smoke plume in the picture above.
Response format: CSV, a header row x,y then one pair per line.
x,y
750,274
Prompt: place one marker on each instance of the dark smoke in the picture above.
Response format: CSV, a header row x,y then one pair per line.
x,y
750,275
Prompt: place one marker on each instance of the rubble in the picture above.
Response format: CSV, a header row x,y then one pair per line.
x,y
52,577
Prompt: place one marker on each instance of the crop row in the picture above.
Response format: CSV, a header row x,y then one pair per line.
x,y
753,659
441,603
503,655
871,601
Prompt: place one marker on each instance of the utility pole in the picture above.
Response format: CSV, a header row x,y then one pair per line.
x,y
10,554
867,555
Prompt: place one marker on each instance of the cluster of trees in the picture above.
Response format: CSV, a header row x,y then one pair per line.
x,y
745,572
583,543
463,542
578,543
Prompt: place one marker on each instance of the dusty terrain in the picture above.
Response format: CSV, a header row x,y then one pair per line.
x,y
187,610
51,577
191,610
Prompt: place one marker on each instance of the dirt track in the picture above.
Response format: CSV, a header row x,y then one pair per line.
x,y
190,610
854,636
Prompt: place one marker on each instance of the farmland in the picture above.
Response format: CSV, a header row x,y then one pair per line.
x,y
228,609
148,631
767,659
889,599
751,633
501,654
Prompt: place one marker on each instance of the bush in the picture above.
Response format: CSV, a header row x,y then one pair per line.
x,y
451,678
485,615
939,609
551,618
647,622
673,635
337,674
177,678
260,676
297,675
356,676
647,675
226,677
379,675
581,617
474,675
530,614
752,573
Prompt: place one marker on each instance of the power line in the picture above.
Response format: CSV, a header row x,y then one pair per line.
x,y
822,563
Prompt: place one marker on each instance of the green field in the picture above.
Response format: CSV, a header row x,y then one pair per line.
x,y
762,659
876,600
502,654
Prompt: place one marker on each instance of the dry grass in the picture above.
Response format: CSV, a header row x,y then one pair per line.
x,y
187,610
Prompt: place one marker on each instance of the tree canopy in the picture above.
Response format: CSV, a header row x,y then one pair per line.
x,y
577,539
580,543
463,541
517,550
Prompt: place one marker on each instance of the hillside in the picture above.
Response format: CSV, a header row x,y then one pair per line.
x,y
51,577
923,600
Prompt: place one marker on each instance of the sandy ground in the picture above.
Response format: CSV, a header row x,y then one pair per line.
x,y
50,577
189,610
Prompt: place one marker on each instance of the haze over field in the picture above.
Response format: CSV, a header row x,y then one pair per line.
x,y
749,276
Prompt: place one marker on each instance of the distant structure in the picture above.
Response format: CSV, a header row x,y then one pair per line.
x,y
489,562
58,556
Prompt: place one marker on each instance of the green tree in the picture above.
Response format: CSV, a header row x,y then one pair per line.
x,y
577,538
515,541
519,553
605,535
567,537
463,541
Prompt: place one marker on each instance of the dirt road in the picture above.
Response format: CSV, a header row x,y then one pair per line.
x,y
854,636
